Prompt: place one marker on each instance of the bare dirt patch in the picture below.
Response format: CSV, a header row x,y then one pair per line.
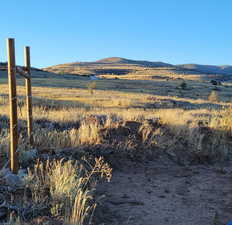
x,y
161,192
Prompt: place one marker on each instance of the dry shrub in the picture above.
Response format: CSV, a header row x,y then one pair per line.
x,y
81,209
91,86
4,145
213,97
207,143
88,134
67,188
183,85
3,99
221,125
51,138
4,141
221,120
148,131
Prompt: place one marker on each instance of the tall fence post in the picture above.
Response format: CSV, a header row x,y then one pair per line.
x,y
27,62
13,106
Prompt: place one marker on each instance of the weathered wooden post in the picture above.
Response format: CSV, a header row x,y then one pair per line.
x,y
27,62
13,106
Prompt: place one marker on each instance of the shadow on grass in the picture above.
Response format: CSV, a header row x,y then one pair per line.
x,y
171,104
125,85
185,145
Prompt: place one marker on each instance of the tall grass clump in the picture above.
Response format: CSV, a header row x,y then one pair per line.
x,y
221,120
88,133
66,188
214,139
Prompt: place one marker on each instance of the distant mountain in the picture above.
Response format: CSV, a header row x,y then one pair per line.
x,y
112,65
122,66
118,60
114,60
208,68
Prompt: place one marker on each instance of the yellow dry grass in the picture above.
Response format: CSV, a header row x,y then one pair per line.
x,y
182,114
70,101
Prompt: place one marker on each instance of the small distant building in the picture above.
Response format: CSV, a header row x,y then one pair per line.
x,y
93,77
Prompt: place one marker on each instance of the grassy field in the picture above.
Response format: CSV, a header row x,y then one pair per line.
x,y
135,115
180,108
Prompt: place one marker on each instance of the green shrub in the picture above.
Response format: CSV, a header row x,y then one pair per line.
x,y
183,85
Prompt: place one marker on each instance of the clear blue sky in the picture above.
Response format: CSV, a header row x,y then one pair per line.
x,y
173,31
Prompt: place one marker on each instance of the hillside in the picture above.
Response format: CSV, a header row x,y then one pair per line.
x,y
121,68
113,65
208,68
35,72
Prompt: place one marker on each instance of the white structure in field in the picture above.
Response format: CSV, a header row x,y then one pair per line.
x,y
93,77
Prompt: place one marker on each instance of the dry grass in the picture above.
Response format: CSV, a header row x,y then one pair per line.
x,y
66,188
213,97
58,191
64,106
129,116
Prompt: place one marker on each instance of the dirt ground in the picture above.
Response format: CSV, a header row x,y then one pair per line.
x,y
161,192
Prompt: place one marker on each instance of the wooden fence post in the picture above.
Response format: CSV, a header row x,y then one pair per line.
x,y
27,62
13,106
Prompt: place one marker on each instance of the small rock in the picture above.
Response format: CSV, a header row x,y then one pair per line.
x,y
12,180
4,172
30,155
22,173
27,156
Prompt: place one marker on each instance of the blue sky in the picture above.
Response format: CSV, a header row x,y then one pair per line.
x,y
173,31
